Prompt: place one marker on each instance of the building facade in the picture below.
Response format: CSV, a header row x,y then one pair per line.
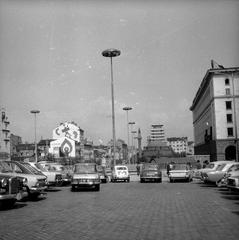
x,y
4,136
178,144
157,133
215,110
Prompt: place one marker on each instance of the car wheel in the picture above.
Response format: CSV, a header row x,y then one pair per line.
x,y
73,188
171,180
141,180
97,188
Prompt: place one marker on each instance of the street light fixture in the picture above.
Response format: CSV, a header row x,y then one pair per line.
x,y
112,53
35,112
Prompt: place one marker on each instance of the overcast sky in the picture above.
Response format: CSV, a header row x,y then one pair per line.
x,y
50,60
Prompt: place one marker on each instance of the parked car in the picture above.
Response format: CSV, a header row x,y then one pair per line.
x,y
11,189
103,175
36,182
212,166
233,183
53,178
85,175
120,173
218,174
180,172
150,172
232,172
58,168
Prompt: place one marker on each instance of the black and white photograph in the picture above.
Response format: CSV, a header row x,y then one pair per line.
x,y
119,119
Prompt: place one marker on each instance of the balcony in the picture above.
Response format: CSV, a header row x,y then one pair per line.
x,y
6,130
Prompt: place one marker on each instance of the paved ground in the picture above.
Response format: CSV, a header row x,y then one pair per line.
x,y
140,211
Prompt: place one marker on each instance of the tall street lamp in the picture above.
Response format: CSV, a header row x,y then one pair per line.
x,y
112,53
35,112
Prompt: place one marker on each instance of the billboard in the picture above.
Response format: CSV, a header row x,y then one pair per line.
x,y
68,130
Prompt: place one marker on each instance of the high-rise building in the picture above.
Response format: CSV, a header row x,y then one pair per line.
x,y
215,110
157,133
178,144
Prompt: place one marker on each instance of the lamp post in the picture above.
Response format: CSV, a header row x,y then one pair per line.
x,y
112,53
35,112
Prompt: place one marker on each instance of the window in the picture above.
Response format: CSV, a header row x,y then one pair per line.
x,y
228,91
229,118
227,82
230,132
228,105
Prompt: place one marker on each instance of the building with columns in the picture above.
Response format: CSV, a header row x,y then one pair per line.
x,y
215,111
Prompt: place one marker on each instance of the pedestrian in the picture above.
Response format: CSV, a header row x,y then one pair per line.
x,y
198,164
169,167
138,169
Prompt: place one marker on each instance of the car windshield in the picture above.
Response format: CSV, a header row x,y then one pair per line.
x,y
234,168
220,167
84,169
121,168
39,166
4,167
32,169
180,167
150,167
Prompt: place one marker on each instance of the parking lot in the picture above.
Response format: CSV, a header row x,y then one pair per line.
x,y
127,211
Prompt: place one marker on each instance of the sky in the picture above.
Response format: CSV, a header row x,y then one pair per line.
x,y
51,60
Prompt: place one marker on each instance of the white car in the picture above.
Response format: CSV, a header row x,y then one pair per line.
x,y
218,174
212,166
180,172
53,178
120,173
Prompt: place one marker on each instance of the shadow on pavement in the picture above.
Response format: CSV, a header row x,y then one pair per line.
x,y
17,205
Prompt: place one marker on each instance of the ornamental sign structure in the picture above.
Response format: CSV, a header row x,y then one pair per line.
x,y
69,130
65,145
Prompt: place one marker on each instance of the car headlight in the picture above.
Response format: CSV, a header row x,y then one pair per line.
x,y
4,182
24,181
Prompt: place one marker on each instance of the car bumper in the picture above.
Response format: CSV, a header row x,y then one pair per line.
x,y
7,196
37,189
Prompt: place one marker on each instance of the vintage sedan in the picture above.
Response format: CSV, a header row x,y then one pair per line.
x,y
150,173
212,166
219,173
35,183
232,172
11,189
53,178
180,172
60,169
85,175
233,183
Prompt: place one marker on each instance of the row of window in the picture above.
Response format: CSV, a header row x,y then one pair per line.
x,y
229,116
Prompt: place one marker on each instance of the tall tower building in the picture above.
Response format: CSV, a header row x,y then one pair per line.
x,y
157,133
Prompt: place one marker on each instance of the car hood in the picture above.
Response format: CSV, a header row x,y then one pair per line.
x,y
86,175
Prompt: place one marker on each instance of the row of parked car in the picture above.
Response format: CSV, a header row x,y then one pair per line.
x,y
20,180
220,173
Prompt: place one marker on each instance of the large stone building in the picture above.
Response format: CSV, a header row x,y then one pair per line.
x,y
215,110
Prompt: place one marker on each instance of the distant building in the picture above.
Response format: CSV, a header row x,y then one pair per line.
x,y
14,142
157,133
215,110
4,135
178,144
190,150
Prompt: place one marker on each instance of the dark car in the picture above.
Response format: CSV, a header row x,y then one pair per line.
x,y
11,189
150,172
85,175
